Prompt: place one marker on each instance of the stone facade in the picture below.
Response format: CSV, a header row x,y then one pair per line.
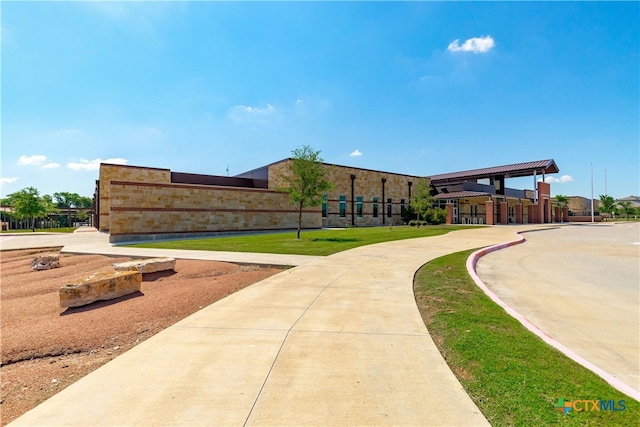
x,y
110,172
367,203
141,203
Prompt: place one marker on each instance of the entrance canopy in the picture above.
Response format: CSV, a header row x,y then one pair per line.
x,y
507,171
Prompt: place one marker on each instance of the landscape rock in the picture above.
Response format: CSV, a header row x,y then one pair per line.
x,y
100,286
151,265
45,262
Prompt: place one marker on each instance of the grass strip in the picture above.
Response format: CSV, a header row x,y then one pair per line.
x,y
42,230
316,242
513,376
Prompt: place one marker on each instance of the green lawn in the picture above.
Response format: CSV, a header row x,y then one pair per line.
x,y
318,242
43,230
514,377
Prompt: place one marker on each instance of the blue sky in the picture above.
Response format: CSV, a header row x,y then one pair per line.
x,y
417,88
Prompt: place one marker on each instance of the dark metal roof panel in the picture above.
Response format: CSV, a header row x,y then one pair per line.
x,y
461,194
509,171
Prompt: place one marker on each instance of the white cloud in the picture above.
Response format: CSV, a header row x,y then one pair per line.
x,y
242,113
5,181
35,160
563,178
52,165
356,153
475,45
91,165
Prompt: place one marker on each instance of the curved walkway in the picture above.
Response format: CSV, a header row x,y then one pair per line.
x,y
335,341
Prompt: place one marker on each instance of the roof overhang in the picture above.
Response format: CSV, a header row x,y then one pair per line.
x,y
461,195
516,170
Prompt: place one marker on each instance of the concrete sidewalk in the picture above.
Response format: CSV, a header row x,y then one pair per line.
x,y
335,341
87,240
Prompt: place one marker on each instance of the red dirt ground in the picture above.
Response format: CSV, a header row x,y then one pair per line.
x,y
45,348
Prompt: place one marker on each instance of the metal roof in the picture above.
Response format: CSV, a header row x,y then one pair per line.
x,y
509,171
461,195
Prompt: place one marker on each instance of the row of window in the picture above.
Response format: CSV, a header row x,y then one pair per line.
x,y
359,206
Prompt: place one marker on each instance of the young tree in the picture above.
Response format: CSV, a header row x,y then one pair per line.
x,y
626,207
27,204
306,180
607,204
421,198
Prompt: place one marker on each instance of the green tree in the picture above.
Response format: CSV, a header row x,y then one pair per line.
x,y
421,199
607,205
626,208
27,204
306,181
65,199
562,201
7,201
48,205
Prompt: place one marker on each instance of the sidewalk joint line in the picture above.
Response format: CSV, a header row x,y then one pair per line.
x,y
275,359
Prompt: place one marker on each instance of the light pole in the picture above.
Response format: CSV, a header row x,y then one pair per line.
x,y
592,214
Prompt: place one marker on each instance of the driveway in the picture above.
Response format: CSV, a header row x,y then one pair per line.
x,y
580,285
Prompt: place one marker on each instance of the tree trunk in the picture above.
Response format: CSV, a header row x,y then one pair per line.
x,y
299,220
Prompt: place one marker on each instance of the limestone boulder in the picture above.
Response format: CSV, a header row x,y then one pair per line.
x,y
45,262
151,265
100,286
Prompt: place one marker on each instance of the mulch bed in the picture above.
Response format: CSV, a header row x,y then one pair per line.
x,y
45,348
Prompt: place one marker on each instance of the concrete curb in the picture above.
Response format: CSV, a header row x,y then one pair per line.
x,y
471,268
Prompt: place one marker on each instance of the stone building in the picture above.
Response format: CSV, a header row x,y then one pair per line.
x,y
141,203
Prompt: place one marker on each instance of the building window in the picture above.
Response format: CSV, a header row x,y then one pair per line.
x,y
375,207
474,210
403,208
324,205
343,206
359,206
389,207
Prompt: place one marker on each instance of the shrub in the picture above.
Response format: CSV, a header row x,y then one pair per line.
x,y
439,216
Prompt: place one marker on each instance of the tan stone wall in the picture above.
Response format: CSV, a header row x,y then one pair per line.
x,y
582,206
367,184
124,173
139,208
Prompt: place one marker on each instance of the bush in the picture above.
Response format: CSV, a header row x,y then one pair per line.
x,y
413,223
439,216
436,216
